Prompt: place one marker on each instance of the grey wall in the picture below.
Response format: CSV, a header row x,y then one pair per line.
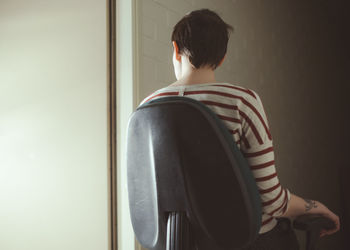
x,y
295,55
298,51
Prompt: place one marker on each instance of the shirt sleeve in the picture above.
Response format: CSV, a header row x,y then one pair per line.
x,y
257,148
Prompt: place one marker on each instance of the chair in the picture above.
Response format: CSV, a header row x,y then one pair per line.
x,y
189,186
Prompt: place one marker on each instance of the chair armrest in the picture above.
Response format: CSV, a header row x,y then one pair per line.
x,y
312,224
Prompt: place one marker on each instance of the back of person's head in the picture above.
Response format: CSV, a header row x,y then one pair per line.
x,y
202,36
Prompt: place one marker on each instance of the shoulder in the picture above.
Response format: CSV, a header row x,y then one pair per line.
x,y
148,98
246,95
167,91
245,92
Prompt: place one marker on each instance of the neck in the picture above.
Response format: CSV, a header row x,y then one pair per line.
x,y
191,76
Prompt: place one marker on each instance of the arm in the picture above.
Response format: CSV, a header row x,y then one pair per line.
x,y
299,206
293,207
257,147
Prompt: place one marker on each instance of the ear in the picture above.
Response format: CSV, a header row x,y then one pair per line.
x,y
176,51
222,60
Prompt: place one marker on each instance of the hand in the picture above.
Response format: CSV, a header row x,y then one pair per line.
x,y
332,216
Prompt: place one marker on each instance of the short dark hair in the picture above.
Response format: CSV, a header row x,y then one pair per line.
x,y
202,36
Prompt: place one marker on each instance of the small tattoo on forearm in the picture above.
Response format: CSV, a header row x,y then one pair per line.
x,y
309,204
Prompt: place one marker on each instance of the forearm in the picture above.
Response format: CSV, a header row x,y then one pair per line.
x,y
299,206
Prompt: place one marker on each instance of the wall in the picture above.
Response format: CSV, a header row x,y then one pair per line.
x,y
293,55
53,125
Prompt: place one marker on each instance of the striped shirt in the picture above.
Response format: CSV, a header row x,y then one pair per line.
x,y
242,112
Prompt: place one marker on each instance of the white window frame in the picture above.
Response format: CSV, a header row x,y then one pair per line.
x,y
126,102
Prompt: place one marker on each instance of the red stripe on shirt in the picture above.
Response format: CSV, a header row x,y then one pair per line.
x,y
249,121
265,178
233,131
249,92
233,96
230,119
266,221
245,141
222,105
162,94
252,126
264,191
259,153
264,165
284,203
267,203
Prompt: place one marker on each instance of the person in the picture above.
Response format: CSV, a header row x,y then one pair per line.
x,y
199,42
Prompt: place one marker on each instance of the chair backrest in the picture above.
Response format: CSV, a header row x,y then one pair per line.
x,y
181,157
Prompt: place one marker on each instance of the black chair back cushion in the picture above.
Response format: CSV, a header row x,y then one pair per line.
x,y
181,157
